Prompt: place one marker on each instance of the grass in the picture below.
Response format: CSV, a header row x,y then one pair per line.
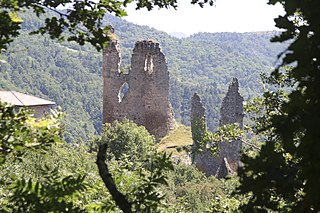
x,y
180,136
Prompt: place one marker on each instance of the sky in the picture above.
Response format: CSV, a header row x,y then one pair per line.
x,y
225,16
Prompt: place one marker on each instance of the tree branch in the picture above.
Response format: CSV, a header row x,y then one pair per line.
x,y
251,145
118,197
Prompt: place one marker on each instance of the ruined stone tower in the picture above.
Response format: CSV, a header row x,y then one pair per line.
x,y
228,159
232,106
142,94
232,112
198,119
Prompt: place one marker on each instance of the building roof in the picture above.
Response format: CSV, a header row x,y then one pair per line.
x,y
20,99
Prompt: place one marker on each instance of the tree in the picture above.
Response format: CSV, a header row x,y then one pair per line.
x,y
20,133
285,175
126,138
137,172
83,19
135,149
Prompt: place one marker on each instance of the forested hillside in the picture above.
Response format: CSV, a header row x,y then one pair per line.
x,y
70,74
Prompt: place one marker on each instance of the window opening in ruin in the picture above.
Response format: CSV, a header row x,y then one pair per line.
x,y
148,64
122,91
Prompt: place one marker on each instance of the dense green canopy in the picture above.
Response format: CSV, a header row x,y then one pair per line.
x,y
285,176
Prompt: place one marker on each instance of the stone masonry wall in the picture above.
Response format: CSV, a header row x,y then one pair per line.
x,y
203,160
198,119
232,106
228,159
232,112
142,95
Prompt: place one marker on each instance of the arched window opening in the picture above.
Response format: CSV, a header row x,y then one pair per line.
x,y
122,91
148,64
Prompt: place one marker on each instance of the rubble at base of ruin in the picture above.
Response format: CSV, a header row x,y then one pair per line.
x,y
228,158
142,94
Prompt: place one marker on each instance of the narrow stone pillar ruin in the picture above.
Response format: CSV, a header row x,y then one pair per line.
x,y
231,112
201,157
142,94
232,106
198,119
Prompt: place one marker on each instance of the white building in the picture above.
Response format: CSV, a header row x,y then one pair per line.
x,y
38,105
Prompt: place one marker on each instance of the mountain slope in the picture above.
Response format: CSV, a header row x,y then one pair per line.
x,y
70,74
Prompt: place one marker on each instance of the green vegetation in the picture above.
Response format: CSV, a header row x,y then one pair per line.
x,y
70,74
284,176
198,126
41,173
19,132
174,142
22,135
136,145
134,149
191,191
82,19
63,176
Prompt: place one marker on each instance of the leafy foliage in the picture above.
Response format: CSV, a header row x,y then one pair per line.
x,y
190,190
82,19
20,132
284,176
148,197
200,134
126,138
136,154
20,135
66,178
228,202
55,194
227,133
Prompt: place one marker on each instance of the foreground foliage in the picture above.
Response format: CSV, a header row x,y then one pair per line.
x,y
20,135
284,177
139,158
64,177
20,132
82,19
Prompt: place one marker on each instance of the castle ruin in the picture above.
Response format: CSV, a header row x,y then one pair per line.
x,y
198,121
142,94
232,112
228,158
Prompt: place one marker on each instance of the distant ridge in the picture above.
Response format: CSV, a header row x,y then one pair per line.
x,y
70,75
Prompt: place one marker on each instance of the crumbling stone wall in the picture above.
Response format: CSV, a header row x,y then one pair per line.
x,y
142,94
201,157
197,120
228,159
232,112
232,106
